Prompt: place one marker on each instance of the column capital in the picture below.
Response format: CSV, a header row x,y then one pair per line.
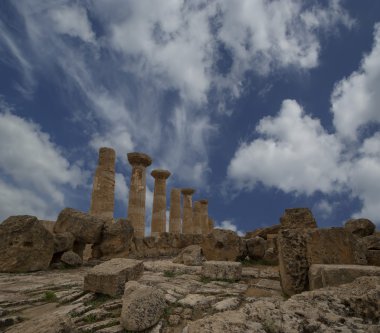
x,y
187,191
160,174
203,201
136,158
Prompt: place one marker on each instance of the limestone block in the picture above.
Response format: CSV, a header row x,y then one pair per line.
x,y
263,232
297,218
63,241
222,270
372,242
191,256
360,227
71,258
321,276
85,227
222,245
25,245
110,277
256,247
142,307
373,257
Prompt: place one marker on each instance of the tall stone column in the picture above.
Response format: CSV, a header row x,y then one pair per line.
x,y
210,224
175,211
204,216
159,202
137,192
187,213
197,217
103,190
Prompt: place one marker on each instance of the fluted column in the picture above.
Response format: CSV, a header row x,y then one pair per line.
x,y
175,211
187,212
210,224
137,191
103,190
197,217
204,216
159,202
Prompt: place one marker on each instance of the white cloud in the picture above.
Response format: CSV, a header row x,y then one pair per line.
x,y
228,225
121,188
33,169
324,207
293,153
356,99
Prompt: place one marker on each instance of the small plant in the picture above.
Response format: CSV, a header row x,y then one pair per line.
x,y
50,296
90,318
169,274
98,300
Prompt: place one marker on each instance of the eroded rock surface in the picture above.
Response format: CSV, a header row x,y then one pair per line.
x,y
191,256
360,227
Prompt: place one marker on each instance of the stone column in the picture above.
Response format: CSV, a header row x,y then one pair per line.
x,y
175,211
159,202
103,190
137,191
210,223
204,216
187,212
197,217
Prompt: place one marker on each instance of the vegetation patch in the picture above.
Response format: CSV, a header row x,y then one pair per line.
x,y
50,296
98,300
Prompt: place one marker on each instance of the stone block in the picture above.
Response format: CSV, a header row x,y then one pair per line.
x,y
191,256
373,257
110,277
321,276
222,270
360,227
256,247
297,218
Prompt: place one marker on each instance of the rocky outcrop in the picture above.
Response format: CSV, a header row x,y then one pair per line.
x,y
297,218
190,256
142,307
256,247
222,270
109,277
360,227
115,240
87,229
300,248
222,245
25,245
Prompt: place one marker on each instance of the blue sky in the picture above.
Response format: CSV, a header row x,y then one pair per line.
x,y
259,105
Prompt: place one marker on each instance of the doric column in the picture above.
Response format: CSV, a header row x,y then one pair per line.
x,y
159,202
197,210
204,216
137,190
175,211
103,190
210,224
187,212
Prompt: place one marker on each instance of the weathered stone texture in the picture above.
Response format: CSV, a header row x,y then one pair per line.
x,y
63,242
191,256
85,227
360,227
297,218
71,258
300,248
210,224
115,240
25,245
103,191
175,211
159,202
256,247
49,225
204,216
321,276
222,245
187,212
197,217
110,277
263,232
143,306
137,192
222,270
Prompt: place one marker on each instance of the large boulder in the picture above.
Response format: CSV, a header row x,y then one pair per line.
x,y
297,218
360,227
115,240
142,307
263,232
222,270
191,256
300,248
109,277
222,245
70,258
256,247
85,227
63,242
25,245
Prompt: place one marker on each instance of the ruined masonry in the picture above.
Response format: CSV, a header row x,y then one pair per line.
x,y
187,212
136,202
159,202
103,191
175,211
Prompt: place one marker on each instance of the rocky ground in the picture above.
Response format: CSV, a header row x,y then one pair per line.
x,y
54,301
